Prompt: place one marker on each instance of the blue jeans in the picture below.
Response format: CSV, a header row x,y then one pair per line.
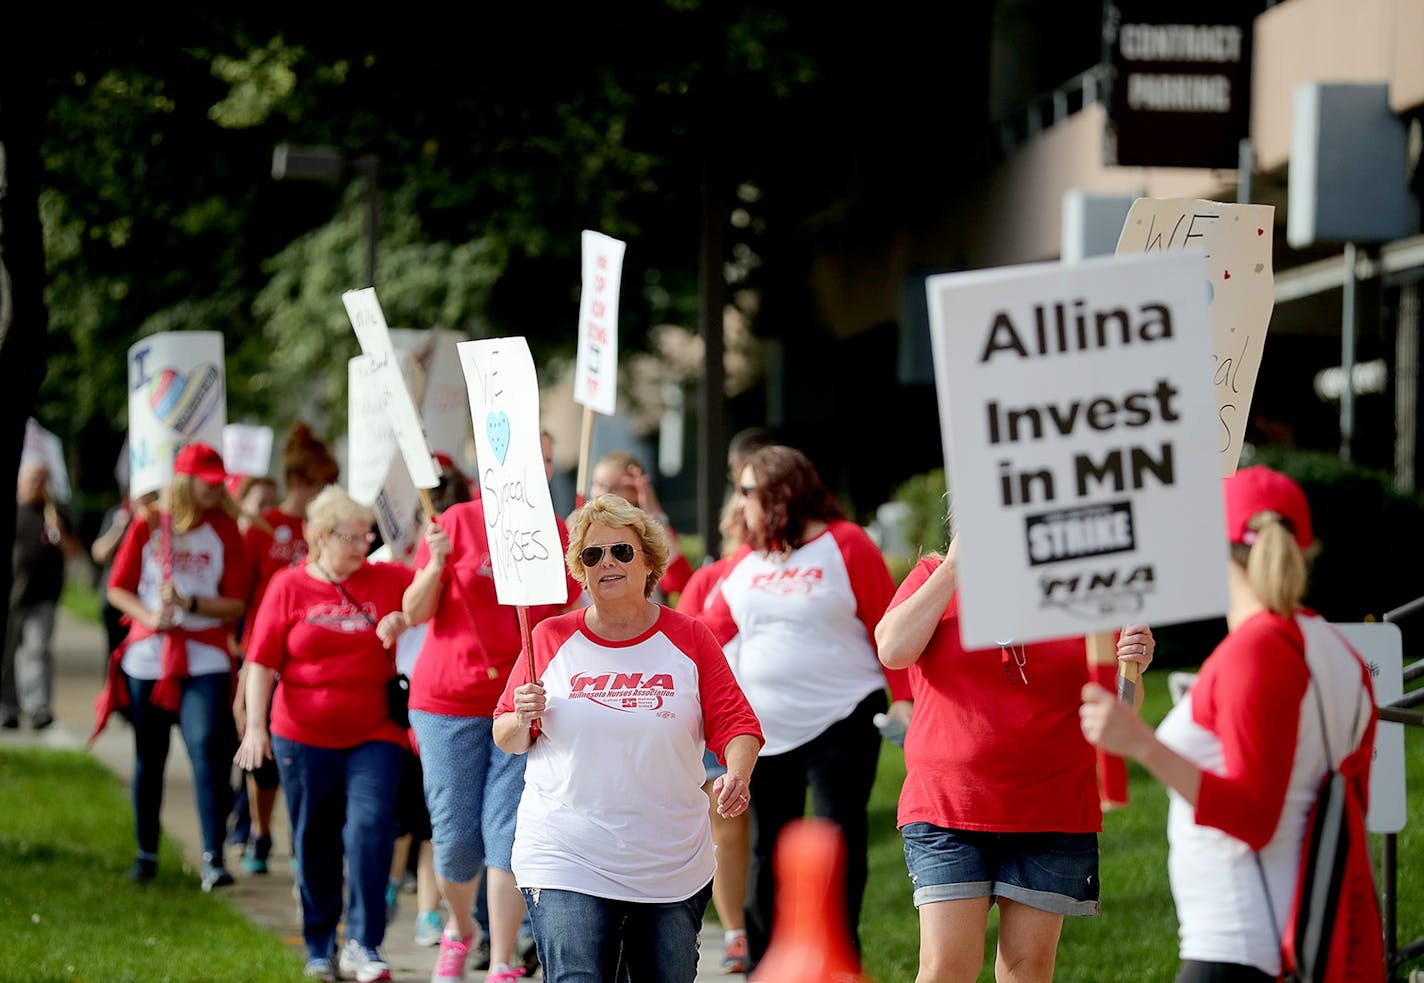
x,y
584,939
342,803
205,719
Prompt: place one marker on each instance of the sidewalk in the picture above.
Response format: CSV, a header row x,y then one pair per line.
x,y
268,900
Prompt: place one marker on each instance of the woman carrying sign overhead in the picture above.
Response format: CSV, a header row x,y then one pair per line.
x,y
1000,802
1282,698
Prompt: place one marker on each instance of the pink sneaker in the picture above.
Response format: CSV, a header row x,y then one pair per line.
x,y
453,952
505,975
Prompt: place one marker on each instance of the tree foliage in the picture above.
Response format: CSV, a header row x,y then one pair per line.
x,y
497,146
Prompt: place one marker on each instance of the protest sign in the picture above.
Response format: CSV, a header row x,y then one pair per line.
x,y
1078,434
369,324
376,474
370,441
398,512
45,447
247,449
177,396
1381,645
433,375
596,366
1240,290
525,549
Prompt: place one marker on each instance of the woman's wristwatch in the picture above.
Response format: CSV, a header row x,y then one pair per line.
x,y
192,604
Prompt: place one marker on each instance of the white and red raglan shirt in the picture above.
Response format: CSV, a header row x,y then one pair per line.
x,y
806,624
209,560
613,804
1250,722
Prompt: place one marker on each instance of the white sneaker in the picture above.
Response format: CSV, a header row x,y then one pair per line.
x,y
363,963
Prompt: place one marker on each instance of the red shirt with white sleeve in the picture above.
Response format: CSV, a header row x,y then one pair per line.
x,y
806,624
613,804
333,667
987,750
473,640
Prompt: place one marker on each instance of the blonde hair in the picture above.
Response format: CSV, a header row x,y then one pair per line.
x,y
613,512
1274,563
333,506
185,512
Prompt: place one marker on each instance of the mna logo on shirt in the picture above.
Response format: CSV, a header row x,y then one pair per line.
x,y
346,617
790,580
623,691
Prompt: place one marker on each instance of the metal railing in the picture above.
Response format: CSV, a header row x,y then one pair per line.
x,y
1400,711
1052,107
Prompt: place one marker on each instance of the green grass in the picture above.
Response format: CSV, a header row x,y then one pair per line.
x,y
1135,937
80,600
67,911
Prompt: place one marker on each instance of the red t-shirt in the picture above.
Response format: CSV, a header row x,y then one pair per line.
x,y
985,751
279,549
697,593
334,669
473,640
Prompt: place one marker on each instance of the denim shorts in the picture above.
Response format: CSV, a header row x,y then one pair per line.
x,y
1054,872
472,790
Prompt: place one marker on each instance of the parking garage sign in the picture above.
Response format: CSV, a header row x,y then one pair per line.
x,y
1180,82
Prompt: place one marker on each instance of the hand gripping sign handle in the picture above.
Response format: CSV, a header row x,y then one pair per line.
x,y
528,653
1112,770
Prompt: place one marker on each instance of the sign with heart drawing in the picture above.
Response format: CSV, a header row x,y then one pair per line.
x,y
177,396
525,549
1240,291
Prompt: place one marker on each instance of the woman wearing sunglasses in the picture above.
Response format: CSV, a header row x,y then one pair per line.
x,y
328,629
802,599
613,848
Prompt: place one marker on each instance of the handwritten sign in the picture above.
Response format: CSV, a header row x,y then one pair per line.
x,y
438,388
1381,645
596,367
1078,434
519,512
177,396
371,443
247,448
369,323
1240,290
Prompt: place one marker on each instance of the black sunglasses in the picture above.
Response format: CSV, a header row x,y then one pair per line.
x,y
592,556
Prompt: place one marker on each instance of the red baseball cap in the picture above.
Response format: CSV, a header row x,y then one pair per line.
x,y
201,462
1251,491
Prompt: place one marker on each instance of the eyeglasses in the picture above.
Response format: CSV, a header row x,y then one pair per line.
x,y
747,490
592,556
367,537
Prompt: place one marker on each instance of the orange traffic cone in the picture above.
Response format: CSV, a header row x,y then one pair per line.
x,y
810,941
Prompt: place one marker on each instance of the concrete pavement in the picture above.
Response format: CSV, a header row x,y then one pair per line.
x,y
268,900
